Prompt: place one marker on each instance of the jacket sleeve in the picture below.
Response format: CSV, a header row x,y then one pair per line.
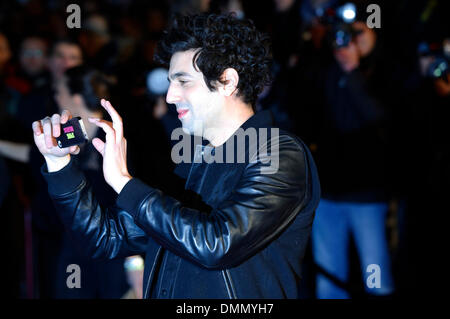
x,y
105,233
256,212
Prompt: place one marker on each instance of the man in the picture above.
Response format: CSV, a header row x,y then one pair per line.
x,y
246,235
65,54
353,158
33,56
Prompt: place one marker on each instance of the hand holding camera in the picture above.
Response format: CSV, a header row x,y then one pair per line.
x,y
46,132
47,135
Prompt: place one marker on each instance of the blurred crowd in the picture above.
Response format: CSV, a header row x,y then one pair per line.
x,y
370,103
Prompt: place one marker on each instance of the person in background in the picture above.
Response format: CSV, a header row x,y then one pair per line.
x,y
12,199
40,100
77,91
9,92
101,50
33,61
65,54
53,251
353,166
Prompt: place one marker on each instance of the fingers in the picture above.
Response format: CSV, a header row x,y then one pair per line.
x,y
99,145
56,124
74,149
65,116
37,127
51,127
107,127
47,128
116,119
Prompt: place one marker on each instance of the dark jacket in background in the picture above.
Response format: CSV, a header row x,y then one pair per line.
x,y
351,147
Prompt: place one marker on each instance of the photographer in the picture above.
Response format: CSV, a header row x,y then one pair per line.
x,y
352,162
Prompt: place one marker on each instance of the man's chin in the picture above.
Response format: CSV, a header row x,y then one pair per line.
x,y
192,129
186,130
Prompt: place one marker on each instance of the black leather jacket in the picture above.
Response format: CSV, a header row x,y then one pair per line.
x,y
249,243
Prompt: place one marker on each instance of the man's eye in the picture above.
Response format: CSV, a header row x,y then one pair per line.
x,y
182,82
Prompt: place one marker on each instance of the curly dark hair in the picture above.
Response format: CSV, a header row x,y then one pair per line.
x,y
223,42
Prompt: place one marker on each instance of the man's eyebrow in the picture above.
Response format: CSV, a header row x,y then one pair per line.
x,y
177,75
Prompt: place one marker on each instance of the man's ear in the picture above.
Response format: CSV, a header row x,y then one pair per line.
x,y
230,80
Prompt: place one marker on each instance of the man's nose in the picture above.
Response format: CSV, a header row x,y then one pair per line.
x,y
173,95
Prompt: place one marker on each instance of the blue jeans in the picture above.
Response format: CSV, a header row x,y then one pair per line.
x,y
334,224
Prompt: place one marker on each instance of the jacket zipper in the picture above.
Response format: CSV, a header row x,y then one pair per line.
x,y
150,276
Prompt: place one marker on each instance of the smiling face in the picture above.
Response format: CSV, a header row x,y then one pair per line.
x,y
199,109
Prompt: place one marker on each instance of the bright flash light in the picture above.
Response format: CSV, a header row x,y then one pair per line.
x,y
348,12
157,82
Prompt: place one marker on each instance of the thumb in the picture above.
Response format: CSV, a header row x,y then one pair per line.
x,y
99,145
74,149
